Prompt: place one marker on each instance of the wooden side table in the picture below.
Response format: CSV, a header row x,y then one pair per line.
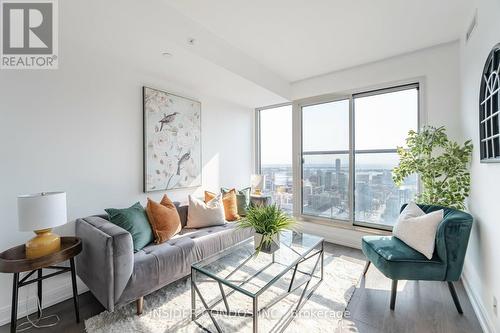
x,y
14,261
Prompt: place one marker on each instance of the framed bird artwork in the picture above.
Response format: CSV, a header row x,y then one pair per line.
x,y
172,141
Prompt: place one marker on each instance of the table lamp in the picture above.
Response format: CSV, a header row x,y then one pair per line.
x,y
257,183
40,213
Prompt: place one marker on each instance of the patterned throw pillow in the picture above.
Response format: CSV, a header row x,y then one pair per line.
x,y
230,203
243,198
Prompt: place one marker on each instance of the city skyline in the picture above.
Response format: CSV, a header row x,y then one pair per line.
x,y
325,190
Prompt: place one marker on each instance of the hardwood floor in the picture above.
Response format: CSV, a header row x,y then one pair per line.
x,y
421,306
89,307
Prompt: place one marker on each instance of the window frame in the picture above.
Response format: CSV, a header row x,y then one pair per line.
x,y
378,151
257,126
257,142
487,96
297,138
300,204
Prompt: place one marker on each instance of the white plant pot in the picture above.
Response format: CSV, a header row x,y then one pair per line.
x,y
268,247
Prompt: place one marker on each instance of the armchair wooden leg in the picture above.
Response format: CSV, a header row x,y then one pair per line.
x,y
367,265
394,290
139,304
455,297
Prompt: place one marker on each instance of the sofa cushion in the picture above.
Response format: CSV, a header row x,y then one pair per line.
x,y
242,199
399,261
135,221
417,229
157,265
201,214
208,241
164,219
183,213
230,202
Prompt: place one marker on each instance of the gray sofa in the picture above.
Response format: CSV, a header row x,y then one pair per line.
x,y
116,275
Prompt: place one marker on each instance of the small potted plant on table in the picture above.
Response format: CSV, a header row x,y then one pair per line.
x,y
267,221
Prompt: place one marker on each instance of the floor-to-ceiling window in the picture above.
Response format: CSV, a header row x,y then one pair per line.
x,y
275,153
382,120
347,151
325,159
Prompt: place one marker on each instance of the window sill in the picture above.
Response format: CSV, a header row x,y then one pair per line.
x,y
342,225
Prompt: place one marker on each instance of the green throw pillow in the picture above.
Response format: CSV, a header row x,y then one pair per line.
x,y
242,197
135,221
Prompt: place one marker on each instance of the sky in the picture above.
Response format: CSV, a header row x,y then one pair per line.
x,y
381,122
276,135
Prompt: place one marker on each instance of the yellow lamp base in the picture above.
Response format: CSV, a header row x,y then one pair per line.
x,y
44,243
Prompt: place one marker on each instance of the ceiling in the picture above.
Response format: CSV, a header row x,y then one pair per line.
x,y
298,39
139,34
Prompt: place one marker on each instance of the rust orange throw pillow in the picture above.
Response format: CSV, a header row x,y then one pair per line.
x,y
230,202
164,219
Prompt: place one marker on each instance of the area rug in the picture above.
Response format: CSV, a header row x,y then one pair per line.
x,y
169,309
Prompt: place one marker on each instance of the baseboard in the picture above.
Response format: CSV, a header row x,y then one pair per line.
x,y
50,297
478,306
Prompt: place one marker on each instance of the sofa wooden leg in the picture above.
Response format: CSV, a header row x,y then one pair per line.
x,y
394,290
139,304
455,297
367,265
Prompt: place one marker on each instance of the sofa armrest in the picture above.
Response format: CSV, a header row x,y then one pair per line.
x,y
107,259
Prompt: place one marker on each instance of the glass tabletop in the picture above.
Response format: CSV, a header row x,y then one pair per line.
x,y
251,273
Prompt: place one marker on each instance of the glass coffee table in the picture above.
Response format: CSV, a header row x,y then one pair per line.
x,y
239,269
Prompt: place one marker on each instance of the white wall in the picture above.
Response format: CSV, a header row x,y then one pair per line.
x,y
79,129
482,268
439,66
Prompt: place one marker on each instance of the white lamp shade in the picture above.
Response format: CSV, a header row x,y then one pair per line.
x,y
257,182
41,210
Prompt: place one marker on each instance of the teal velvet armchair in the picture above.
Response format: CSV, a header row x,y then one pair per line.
x,y
398,261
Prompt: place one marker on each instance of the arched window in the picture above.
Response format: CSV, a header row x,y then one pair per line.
x,y
489,108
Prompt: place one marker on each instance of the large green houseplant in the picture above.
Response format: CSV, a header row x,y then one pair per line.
x,y
268,222
441,163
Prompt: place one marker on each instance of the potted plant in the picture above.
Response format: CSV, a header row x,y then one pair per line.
x,y
267,221
442,165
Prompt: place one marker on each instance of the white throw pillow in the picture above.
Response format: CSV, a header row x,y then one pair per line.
x,y
417,229
411,210
201,214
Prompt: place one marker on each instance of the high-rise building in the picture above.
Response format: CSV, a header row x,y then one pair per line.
x,y
321,179
328,180
337,167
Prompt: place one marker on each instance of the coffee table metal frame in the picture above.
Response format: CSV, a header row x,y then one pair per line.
x,y
306,293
